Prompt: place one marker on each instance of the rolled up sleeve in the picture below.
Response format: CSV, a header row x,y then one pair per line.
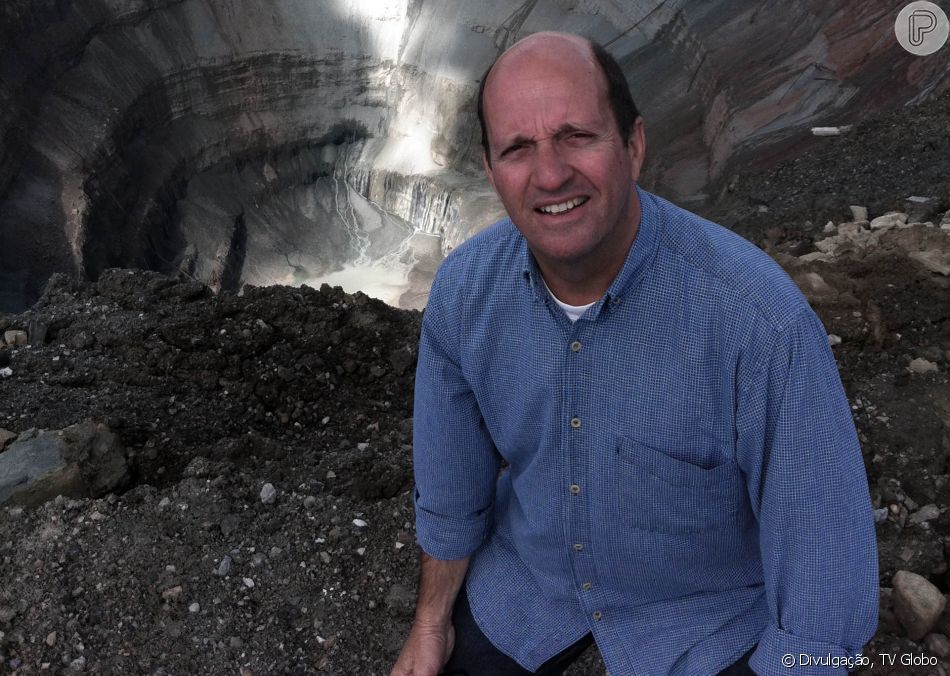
x,y
455,462
808,488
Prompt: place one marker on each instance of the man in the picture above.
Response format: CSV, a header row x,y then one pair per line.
x,y
683,482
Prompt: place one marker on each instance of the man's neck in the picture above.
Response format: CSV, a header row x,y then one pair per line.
x,y
586,281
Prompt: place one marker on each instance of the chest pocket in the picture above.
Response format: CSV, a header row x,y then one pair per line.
x,y
664,494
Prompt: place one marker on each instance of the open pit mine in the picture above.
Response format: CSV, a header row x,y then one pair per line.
x,y
302,141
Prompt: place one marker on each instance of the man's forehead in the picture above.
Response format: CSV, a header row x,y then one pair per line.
x,y
555,50
545,90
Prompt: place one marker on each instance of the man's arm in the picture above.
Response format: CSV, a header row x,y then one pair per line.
x,y
432,636
455,466
808,488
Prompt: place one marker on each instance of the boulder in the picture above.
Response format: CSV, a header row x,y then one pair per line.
x,y
36,331
83,460
889,220
814,286
937,644
921,365
917,603
935,261
15,338
925,513
920,208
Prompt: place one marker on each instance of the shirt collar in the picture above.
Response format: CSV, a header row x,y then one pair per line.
x,y
637,262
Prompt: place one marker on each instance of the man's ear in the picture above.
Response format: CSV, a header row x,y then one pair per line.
x,y
637,148
488,171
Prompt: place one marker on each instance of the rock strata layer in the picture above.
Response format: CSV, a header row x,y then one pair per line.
x,y
124,126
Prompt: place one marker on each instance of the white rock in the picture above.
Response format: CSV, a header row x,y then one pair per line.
x,y
834,340
925,513
6,372
361,551
268,494
933,260
938,644
917,603
362,446
15,338
831,131
880,515
889,220
359,523
194,608
224,567
921,365
830,226
945,221
859,213
248,582
823,256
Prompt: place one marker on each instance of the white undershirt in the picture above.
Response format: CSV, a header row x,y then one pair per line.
x,y
573,312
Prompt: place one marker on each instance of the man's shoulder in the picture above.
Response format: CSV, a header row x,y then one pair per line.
x,y
480,258
740,270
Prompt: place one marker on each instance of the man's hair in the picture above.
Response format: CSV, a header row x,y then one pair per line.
x,y
619,98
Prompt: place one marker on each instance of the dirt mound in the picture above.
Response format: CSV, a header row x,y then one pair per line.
x,y
214,397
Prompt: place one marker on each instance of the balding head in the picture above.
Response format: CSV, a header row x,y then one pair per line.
x,y
568,47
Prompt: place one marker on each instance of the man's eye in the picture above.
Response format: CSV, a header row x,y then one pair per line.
x,y
512,150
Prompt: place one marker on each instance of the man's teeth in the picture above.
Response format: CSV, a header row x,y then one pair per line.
x,y
563,206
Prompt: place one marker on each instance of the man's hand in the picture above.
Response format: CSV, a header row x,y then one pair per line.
x,y
426,650
432,637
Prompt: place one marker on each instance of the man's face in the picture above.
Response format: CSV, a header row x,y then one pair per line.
x,y
558,163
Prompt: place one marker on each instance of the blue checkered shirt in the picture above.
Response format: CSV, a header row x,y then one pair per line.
x,y
683,477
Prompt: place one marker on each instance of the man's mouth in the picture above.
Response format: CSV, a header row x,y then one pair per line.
x,y
562,207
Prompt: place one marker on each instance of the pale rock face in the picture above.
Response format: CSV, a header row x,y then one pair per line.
x,y
917,603
291,140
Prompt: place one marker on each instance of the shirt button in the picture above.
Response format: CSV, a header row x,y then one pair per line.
x,y
576,346
575,423
578,546
597,615
586,586
615,300
575,489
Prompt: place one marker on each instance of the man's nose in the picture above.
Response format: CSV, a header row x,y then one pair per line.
x,y
551,168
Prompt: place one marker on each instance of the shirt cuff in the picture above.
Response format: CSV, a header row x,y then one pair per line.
x,y
780,653
448,538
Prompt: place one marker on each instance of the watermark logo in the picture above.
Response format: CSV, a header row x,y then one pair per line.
x,y
922,28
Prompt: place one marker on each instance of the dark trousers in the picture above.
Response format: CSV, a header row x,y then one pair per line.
x,y
474,654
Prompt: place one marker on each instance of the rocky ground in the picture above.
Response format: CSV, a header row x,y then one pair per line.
x,y
261,521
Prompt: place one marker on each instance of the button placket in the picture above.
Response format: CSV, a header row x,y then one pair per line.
x,y
578,530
